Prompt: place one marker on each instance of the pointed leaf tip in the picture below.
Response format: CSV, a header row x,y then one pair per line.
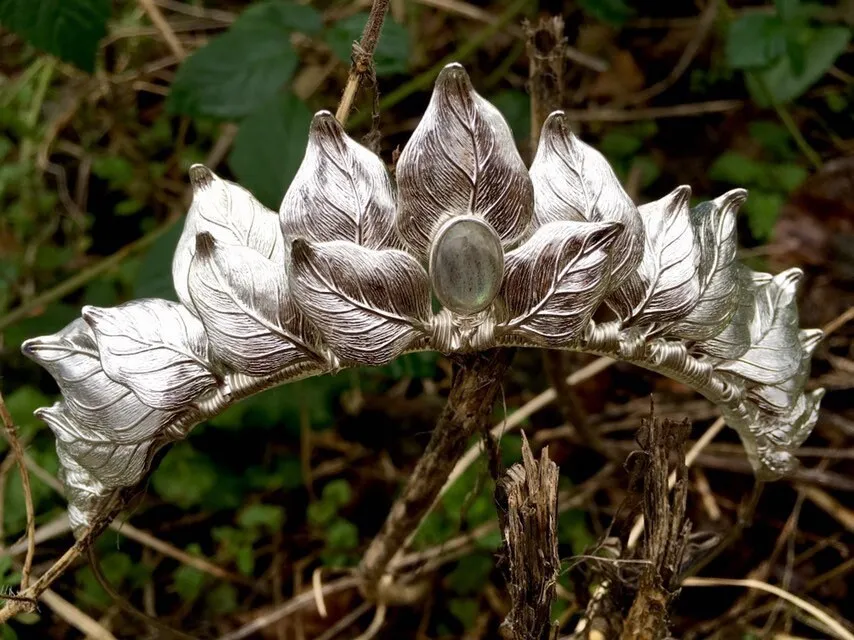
x,y
810,339
201,177
461,160
324,122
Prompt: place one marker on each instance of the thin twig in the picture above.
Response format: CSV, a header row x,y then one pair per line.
x,y
297,603
92,629
18,451
462,53
840,321
822,616
653,113
707,19
376,624
363,58
345,622
163,27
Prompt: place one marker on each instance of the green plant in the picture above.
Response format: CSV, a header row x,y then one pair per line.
x,y
771,177
340,536
783,54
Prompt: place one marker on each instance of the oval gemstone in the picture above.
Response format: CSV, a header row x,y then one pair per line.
x,y
466,264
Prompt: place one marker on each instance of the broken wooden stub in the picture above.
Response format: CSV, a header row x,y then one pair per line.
x,y
666,531
527,495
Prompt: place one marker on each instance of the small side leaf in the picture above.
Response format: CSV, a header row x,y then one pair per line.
x,y
368,305
341,192
461,160
232,216
156,348
107,409
555,281
85,494
777,437
111,464
669,270
774,353
734,339
714,223
243,301
781,397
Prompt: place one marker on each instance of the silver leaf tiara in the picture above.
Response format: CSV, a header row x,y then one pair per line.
x,y
346,273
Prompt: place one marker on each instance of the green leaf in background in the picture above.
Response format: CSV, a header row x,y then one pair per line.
x,y
573,530
342,535
222,598
470,574
393,48
762,209
515,106
781,82
734,168
68,29
154,277
262,516
185,476
51,320
188,583
755,40
788,9
465,610
774,138
242,69
269,147
613,12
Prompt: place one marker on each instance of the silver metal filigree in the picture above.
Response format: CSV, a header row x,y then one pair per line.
x,y
345,274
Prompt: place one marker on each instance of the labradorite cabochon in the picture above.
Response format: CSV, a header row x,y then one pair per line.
x,y
466,264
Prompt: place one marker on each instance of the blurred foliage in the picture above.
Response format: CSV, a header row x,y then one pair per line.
x,y
91,164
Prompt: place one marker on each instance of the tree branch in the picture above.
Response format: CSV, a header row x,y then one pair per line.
x,y
469,407
18,452
363,58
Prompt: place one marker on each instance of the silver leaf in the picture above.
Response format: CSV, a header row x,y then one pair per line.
x,y
555,281
232,216
368,305
734,339
669,270
461,160
86,496
156,348
341,192
243,301
95,401
774,353
778,437
112,464
714,223
780,398
573,181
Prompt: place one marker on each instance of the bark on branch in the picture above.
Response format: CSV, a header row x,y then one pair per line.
x,y
469,407
528,492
